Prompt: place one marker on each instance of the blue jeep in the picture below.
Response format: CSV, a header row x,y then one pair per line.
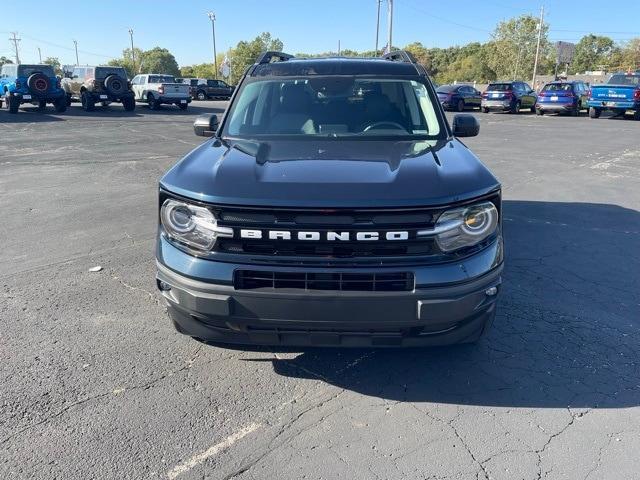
x,y
35,84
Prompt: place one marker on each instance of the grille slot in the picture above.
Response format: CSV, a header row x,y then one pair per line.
x,y
354,282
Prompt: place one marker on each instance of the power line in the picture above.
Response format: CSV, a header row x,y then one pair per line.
x,y
446,20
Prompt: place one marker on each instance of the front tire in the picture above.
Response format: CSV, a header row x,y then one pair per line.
x,y
515,108
636,115
201,95
484,109
594,112
183,106
87,102
539,112
42,104
460,106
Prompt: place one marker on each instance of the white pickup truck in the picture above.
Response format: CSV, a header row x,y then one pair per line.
x,y
156,89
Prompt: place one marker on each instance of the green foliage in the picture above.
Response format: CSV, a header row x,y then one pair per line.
x,y
626,57
156,60
511,53
55,63
127,61
592,53
4,60
245,54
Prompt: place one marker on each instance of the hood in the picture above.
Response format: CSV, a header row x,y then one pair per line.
x,y
330,173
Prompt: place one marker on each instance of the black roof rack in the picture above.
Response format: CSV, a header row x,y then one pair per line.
x,y
270,57
400,56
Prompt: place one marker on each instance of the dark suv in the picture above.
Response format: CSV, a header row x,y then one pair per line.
x,y
333,206
509,97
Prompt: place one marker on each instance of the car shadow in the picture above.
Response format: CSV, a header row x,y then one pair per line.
x,y
566,333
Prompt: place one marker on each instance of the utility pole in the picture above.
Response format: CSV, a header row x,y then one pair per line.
x,y
15,41
40,55
390,20
75,42
378,26
212,17
133,52
535,65
338,47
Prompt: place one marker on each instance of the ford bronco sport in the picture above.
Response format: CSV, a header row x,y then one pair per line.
x,y
34,84
333,206
106,85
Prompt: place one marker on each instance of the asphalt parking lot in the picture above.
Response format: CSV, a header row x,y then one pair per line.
x,y
97,384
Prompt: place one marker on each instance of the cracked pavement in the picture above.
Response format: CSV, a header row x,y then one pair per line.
x,y
97,384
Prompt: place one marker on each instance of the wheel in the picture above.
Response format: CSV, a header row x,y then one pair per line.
x,y
68,100
636,115
533,108
539,112
183,106
60,105
153,103
201,95
575,111
594,112
484,109
515,108
87,102
42,104
129,104
460,106
12,104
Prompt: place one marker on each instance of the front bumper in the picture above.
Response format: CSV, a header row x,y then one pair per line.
x,y
448,305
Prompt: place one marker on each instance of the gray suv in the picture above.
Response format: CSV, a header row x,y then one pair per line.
x,y
509,97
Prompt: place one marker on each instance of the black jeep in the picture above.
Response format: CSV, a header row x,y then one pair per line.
x,y
333,206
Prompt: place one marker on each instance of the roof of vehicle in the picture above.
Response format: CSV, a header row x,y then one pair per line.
x,y
397,63
449,87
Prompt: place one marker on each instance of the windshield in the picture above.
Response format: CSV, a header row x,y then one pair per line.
x,y
633,80
333,106
27,70
500,87
103,72
161,79
558,87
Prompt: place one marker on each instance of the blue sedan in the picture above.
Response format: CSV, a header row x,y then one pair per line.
x,y
458,97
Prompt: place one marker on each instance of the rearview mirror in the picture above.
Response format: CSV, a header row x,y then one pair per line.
x,y
205,125
465,125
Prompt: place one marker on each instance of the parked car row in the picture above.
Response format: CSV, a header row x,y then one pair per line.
x,y
92,85
205,89
620,95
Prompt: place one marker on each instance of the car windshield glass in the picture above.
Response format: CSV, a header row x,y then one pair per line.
x,y
27,70
333,106
500,87
446,88
102,72
161,79
557,87
625,80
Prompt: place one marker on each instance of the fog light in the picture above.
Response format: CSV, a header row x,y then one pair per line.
x,y
490,292
164,287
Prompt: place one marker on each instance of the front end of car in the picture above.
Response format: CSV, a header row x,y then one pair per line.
x,y
282,276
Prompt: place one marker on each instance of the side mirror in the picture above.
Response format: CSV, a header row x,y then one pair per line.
x,y
205,125
465,125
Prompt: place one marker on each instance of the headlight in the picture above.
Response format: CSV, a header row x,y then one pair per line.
x,y
192,225
465,226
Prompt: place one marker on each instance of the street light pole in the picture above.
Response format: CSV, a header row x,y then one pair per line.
x,y
378,26
75,42
390,20
535,65
212,17
40,55
133,53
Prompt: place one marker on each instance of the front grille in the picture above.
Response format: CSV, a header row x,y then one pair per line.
x,y
327,220
355,282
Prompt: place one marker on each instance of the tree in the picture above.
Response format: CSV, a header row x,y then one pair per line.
x,y
511,53
55,63
158,60
246,53
627,56
4,60
127,61
592,53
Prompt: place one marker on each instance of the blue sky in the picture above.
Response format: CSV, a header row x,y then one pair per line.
x,y
101,28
